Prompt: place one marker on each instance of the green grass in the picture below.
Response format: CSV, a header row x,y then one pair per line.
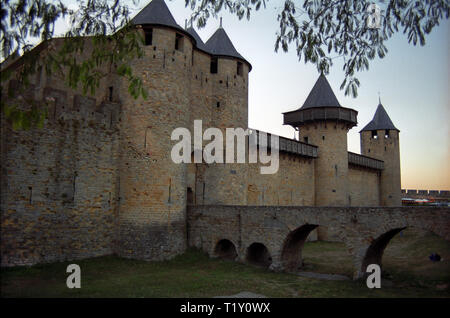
x,y
194,274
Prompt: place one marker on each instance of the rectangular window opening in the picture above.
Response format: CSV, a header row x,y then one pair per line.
x,y
239,69
178,42
148,36
374,134
386,133
214,65
110,97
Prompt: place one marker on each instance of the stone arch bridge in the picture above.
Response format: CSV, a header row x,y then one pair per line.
x,y
274,235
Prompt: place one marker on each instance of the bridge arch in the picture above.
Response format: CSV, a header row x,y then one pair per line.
x,y
225,249
258,254
291,255
374,252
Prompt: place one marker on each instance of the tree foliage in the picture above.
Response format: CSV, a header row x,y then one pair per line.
x,y
112,47
323,30
319,30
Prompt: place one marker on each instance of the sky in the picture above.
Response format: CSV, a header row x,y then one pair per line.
x,y
413,83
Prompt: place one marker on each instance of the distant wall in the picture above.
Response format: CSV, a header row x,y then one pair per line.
x,y
426,194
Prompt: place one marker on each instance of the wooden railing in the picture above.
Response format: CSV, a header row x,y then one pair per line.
x,y
291,146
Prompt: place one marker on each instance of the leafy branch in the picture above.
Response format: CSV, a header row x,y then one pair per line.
x,y
328,27
112,44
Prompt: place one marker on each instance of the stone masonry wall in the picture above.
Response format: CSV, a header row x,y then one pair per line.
x,y
293,184
59,186
331,166
152,187
364,186
59,183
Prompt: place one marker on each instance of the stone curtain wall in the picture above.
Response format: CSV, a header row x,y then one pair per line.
x,y
280,228
293,184
364,186
59,185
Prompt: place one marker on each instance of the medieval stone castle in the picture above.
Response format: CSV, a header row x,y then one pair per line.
x,y
98,179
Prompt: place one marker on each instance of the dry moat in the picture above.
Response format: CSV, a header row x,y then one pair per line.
x,y
407,272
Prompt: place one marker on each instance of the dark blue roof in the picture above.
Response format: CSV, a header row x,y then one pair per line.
x,y
156,12
321,95
199,43
320,105
380,121
220,44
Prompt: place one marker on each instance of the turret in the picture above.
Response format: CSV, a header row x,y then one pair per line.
x,y
229,72
380,140
323,122
227,107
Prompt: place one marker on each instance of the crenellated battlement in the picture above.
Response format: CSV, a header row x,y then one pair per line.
x,y
65,105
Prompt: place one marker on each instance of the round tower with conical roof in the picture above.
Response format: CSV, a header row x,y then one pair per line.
x,y
380,140
152,209
186,80
323,122
226,107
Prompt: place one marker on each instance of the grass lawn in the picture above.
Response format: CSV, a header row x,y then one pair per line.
x,y
194,274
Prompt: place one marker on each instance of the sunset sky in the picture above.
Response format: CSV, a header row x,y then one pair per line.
x,y
413,83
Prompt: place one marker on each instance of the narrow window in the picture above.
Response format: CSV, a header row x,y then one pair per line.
x,y
374,134
214,65
386,133
218,104
148,36
38,76
110,98
239,69
305,139
190,196
179,42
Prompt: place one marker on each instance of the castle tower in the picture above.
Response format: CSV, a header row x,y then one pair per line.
x,y
380,140
230,80
227,107
152,209
323,122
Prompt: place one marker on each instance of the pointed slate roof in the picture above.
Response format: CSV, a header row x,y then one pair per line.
x,y
220,44
320,105
380,121
156,12
321,95
200,44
